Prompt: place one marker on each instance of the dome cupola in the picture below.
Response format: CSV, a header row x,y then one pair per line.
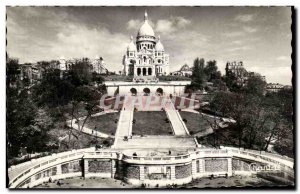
x,y
131,47
146,29
159,46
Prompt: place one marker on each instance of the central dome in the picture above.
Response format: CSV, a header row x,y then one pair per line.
x,y
146,29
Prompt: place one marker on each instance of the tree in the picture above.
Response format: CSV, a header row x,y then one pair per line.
x,y
53,91
255,85
12,72
211,70
198,75
81,72
232,82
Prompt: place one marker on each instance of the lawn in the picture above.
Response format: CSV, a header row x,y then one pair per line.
x,y
196,123
104,123
151,123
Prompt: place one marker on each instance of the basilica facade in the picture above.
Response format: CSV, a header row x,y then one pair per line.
x,y
146,55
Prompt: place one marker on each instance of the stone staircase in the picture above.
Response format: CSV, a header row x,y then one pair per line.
x,y
178,125
124,125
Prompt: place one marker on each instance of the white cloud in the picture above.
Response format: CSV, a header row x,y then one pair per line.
x,y
85,42
250,29
241,48
244,17
133,24
171,25
283,58
233,34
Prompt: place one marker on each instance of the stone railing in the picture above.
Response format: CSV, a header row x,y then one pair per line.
x,y
101,154
157,159
262,155
20,173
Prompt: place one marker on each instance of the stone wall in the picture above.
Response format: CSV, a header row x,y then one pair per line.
x,y
216,165
99,166
183,171
239,165
46,173
132,172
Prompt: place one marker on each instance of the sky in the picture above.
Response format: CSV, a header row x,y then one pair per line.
x,y
258,36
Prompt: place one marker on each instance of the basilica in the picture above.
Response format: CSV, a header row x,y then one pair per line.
x,y
146,56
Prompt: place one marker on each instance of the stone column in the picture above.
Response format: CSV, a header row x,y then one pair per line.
x,y
58,170
202,165
142,173
173,177
229,166
85,167
135,71
113,168
194,167
32,179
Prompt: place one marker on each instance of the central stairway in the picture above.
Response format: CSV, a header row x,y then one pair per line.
x,y
178,125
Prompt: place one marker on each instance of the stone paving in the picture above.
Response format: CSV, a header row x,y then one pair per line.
x,y
156,142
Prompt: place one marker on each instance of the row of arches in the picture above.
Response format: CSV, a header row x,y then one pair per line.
x,y
146,91
144,71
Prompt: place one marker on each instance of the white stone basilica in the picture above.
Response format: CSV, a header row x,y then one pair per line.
x,y
147,57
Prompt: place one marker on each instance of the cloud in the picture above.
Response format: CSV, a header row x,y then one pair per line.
x,y
68,39
79,41
249,29
244,17
241,48
283,58
237,42
171,25
233,34
245,30
133,24
274,74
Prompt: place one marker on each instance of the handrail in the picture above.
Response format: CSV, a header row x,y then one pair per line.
x,y
41,162
36,165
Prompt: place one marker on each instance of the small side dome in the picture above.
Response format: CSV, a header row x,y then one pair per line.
x,y
159,46
62,58
131,47
97,57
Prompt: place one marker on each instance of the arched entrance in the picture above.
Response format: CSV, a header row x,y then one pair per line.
x,y
146,91
160,91
149,71
138,71
144,71
133,91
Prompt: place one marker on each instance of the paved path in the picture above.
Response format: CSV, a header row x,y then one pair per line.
x,y
124,126
158,142
178,125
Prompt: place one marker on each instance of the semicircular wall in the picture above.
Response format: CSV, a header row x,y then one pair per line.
x,y
136,170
